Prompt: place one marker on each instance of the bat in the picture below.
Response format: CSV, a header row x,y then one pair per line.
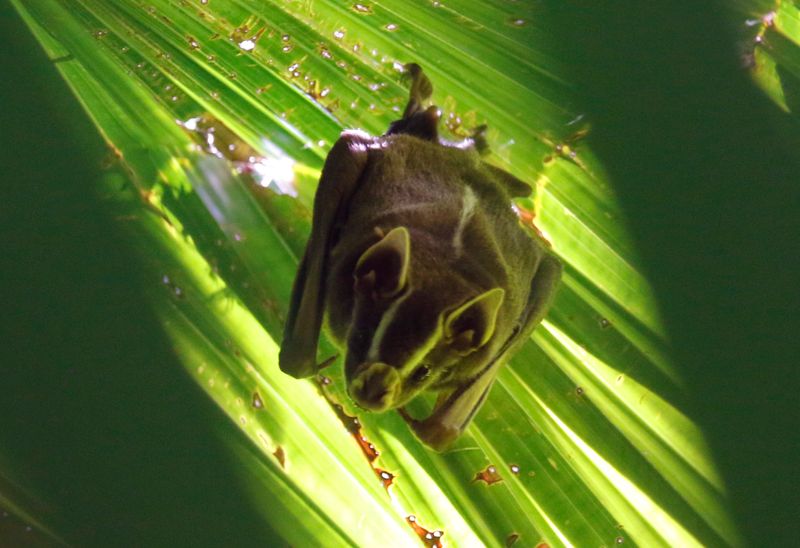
x,y
419,269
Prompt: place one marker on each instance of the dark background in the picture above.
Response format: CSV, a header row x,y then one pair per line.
x,y
707,170
97,418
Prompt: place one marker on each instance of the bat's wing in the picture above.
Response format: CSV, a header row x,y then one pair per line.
x,y
340,179
453,413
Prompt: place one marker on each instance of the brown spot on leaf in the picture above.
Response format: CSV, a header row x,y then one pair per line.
x,y
280,455
387,478
489,475
432,539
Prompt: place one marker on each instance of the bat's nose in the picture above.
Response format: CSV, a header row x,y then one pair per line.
x,y
374,386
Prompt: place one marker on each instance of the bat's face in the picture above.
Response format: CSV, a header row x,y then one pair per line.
x,y
408,332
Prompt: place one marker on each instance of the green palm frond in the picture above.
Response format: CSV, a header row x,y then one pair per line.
x,y
587,427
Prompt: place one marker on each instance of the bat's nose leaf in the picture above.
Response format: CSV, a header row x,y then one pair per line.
x,y
375,386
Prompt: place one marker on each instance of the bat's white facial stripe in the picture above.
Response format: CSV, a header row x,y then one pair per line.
x,y
422,351
405,334
380,332
469,201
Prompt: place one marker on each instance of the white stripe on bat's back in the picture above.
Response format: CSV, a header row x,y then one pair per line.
x,y
469,201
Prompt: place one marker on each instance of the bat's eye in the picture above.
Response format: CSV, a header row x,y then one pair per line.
x,y
420,374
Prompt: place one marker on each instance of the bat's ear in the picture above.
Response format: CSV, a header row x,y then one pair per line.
x,y
472,324
382,270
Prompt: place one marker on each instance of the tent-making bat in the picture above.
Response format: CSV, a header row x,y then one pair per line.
x,y
420,269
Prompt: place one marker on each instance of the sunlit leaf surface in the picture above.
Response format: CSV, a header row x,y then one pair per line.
x,y
221,113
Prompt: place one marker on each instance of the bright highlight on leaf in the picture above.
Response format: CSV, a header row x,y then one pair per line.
x,y
586,433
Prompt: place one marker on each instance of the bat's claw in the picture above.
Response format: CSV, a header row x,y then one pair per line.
x,y
327,362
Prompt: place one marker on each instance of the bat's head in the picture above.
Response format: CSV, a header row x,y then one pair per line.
x,y
413,325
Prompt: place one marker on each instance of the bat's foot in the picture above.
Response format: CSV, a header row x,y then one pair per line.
x,y
423,124
420,88
417,120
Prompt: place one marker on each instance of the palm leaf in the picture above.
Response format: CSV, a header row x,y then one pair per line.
x,y
587,426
